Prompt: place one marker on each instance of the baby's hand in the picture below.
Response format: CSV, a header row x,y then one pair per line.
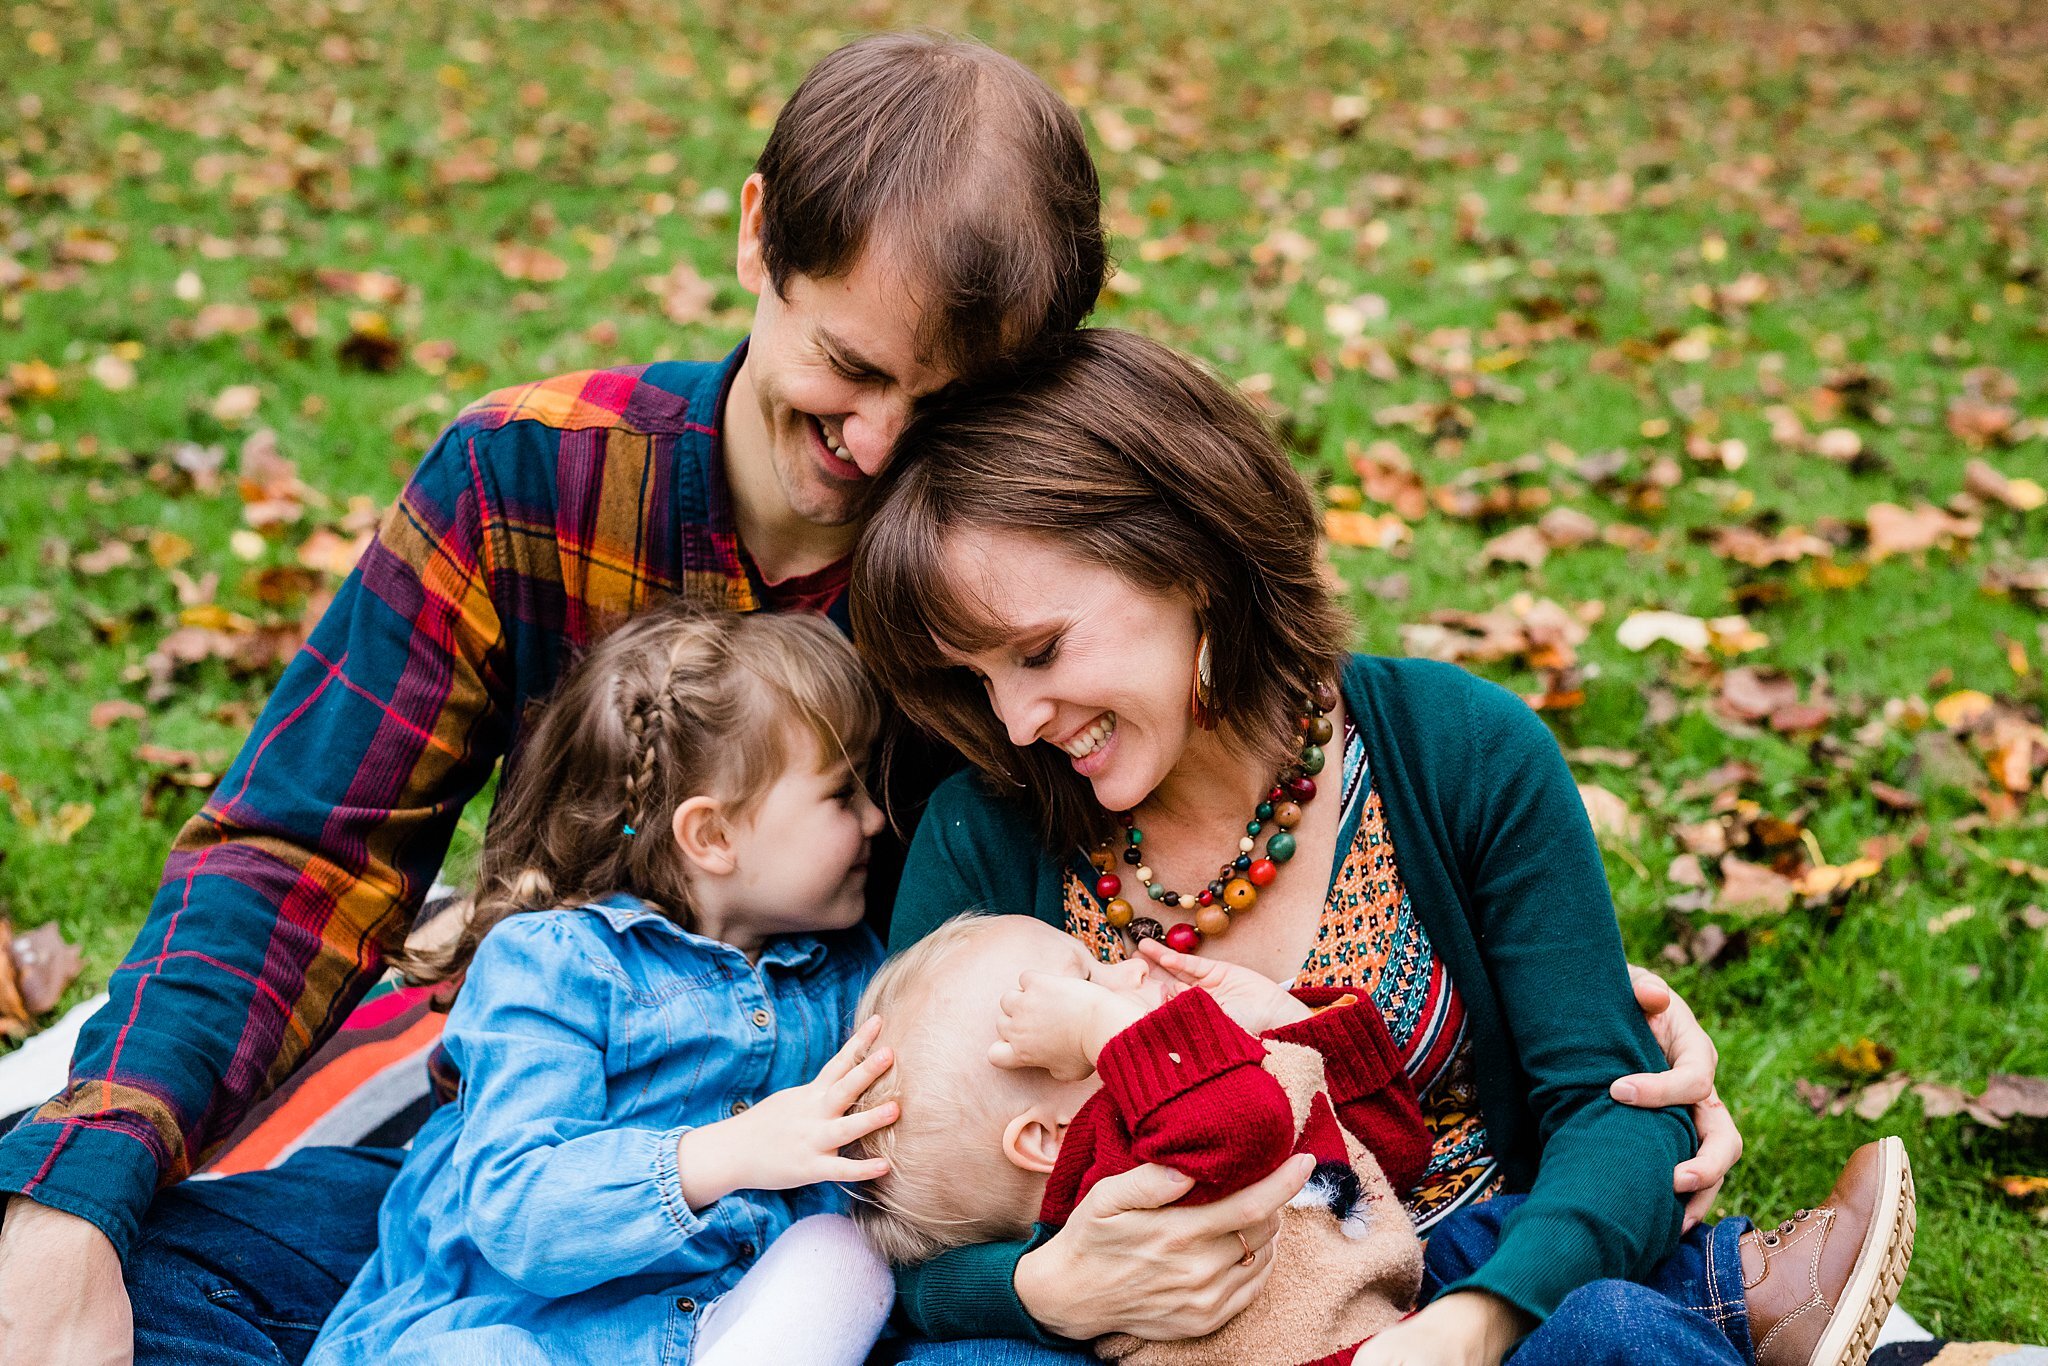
x,y
1059,1023
1256,1002
792,1137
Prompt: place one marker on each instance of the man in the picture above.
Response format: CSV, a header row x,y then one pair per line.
x,y
925,211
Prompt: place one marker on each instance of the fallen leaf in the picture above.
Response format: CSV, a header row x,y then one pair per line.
x,y
44,965
1365,530
1524,545
1609,814
1752,889
1895,531
1640,630
1752,694
523,261
2007,1095
684,294
105,714
1949,919
1875,1099
1864,1058
2021,495
237,403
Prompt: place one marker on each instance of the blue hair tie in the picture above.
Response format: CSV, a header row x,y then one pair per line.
x,y
629,829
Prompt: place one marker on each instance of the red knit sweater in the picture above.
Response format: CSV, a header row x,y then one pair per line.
x,y
1183,1087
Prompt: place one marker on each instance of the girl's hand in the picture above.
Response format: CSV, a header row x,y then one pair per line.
x,y
1060,1023
1466,1328
1255,1001
793,1137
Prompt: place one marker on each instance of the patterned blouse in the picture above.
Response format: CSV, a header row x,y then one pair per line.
x,y
1370,939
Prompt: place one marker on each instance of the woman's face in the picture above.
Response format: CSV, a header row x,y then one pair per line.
x,y
1092,664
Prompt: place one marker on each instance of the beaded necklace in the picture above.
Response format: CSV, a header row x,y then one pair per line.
x,y
1235,889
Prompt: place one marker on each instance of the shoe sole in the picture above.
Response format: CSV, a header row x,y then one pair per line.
x,y
1873,1285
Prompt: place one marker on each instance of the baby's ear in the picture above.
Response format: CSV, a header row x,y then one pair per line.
x,y
701,833
1032,1142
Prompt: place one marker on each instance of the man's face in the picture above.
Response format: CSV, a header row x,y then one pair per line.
x,y
833,368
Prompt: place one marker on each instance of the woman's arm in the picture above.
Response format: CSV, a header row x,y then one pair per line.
x,y
1602,1203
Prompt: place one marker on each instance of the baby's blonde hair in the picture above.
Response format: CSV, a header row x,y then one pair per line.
x,y
948,1184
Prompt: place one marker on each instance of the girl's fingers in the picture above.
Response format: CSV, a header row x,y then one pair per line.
x,y
854,1169
849,1052
861,1123
1002,1053
849,1088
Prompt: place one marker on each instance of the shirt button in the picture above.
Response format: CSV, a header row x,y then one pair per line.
x,y
746,1249
687,1305
761,1019
739,1107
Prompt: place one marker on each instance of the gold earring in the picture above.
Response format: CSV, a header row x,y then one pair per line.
x,y
1204,702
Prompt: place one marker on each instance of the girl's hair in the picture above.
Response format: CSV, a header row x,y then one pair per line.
x,y
678,702
1123,453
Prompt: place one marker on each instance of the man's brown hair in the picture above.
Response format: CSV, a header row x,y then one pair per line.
x,y
1120,452
960,160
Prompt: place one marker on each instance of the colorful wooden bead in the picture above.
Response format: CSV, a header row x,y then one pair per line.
x,y
1320,730
1280,848
1311,759
1183,939
1117,913
1301,789
1108,885
1263,871
1145,927
1239,894
1212,921
1325,695
1287,815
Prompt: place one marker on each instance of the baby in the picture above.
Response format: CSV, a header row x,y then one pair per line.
x,y
1106,1067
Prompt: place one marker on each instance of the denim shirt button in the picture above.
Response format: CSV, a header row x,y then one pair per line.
x,y
746,1249
761,1018
739,1107
686,1304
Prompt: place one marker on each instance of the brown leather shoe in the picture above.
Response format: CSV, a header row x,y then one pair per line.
x,y
1820,1284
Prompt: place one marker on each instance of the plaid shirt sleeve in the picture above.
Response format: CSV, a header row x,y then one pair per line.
x,y
281,896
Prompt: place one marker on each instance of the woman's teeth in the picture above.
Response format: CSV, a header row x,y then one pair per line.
x,y
1091,739
833,446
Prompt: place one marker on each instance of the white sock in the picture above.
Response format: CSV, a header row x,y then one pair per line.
x,y
818,1297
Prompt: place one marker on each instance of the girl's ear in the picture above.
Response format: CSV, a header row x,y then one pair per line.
x,y
703,836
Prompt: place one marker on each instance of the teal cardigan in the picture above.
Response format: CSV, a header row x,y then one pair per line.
x,y
1500,863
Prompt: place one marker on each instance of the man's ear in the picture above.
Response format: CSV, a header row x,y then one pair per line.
x,y
703,836
751,263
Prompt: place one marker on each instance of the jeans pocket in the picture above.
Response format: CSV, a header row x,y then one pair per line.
x,y
293,1338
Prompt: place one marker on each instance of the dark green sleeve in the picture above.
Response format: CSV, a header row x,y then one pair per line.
x,y
970,853
1601,1205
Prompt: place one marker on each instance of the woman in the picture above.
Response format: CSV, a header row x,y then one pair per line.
x,y
1102,587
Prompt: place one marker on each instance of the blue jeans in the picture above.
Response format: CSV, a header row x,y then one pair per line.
x,y
242,1272
1689,1309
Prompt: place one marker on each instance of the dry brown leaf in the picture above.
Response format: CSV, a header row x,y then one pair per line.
x,y
1752,889
1364,530
1752,694
524,261
1896,531
684,294
105,714
1875,1099
44,966
1524,545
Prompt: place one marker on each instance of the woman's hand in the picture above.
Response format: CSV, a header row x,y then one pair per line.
x,y
1123,1264
1060,1023
1255,1001
793,1137
1466,1328
1690,1081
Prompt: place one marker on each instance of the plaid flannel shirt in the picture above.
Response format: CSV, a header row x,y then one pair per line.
x,y
543,516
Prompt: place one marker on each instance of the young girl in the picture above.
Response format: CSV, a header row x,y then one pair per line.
x,y
660,964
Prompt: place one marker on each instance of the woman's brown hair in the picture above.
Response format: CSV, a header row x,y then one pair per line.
x,y
678,702
1124,453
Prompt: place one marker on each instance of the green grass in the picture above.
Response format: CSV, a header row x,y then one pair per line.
x,y
1888,178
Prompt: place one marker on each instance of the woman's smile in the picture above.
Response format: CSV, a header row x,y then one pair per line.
x,y
1091,737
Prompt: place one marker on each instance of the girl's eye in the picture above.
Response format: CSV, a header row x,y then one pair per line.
x,y
1044,656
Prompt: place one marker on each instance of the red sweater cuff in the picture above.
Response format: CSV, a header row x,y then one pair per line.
x,y
1359,1056
1172,1050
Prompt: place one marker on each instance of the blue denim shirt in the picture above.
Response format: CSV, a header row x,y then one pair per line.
x,y
540,1216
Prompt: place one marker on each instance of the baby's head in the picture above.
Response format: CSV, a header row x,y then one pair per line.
x,y
969,1158
683,759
